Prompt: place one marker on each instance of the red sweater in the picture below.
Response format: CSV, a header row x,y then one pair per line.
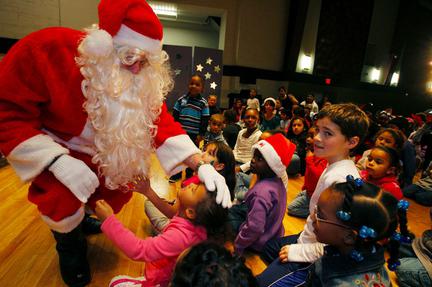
x,y
388,183
314,168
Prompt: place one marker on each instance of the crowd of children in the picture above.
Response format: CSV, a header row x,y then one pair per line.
x,y
352,198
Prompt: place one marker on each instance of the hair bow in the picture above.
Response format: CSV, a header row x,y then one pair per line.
x,y
403,204
367,232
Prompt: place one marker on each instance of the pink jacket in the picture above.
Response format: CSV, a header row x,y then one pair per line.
x,y
159,253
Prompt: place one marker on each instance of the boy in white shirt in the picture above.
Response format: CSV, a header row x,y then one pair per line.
x,y
340,128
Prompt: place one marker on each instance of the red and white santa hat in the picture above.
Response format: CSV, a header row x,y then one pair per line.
x,y
128,22
277,150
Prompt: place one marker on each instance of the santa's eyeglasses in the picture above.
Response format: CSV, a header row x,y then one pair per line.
x,y
129,56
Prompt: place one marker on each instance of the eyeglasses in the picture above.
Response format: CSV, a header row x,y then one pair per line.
x,y
328,221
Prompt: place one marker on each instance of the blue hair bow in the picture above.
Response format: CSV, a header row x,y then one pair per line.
x,y
403,204
358,182
366,232
343,215
357,256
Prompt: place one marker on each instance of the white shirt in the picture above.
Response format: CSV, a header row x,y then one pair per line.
x,y
307,248
243,147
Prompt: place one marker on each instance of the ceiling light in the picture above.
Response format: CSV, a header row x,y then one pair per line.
x,y
166,9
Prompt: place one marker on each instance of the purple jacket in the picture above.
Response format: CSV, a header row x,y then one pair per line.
x,y
266,203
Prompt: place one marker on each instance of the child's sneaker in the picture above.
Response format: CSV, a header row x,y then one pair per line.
x,y
127,281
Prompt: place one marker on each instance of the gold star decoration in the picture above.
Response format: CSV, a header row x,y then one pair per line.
x,y
213,85
217,69
207,75
199,68
209,61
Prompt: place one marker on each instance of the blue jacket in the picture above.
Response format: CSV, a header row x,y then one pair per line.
x,y
334,269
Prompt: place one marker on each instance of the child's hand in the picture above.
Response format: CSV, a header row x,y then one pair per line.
x,y
103,210
142,186
283,254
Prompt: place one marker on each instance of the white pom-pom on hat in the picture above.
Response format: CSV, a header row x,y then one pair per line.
x,y
97,43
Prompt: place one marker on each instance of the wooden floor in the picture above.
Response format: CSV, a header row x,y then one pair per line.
x,y
27,248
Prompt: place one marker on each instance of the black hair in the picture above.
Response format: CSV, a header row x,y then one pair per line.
x,y
230,116
225,155
351,120
210,265
396,135
212,216
371,206
298,111
290,133
394,157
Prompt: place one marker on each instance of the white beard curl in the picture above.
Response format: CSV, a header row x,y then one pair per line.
x,y
122,108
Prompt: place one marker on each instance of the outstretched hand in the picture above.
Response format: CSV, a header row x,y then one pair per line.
x,y
140,185
214,180
103,210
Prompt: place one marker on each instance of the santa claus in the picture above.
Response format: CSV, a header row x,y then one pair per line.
x,y
81,112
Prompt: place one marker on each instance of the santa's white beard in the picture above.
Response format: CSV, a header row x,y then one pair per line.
x,y
122,108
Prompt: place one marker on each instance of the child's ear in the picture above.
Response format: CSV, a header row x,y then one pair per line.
x,y
350,238
353,142
219,166
190,213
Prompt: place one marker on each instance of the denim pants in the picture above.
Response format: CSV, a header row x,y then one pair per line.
x,y
242,185
299,207
236,216
412,273
281,274
295,165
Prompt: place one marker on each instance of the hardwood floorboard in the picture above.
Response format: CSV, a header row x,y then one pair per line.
x,y
27,248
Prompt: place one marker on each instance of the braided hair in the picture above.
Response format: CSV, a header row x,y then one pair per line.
x,y
366,206
209,265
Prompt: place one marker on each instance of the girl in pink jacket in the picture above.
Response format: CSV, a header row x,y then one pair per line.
x,y
196,215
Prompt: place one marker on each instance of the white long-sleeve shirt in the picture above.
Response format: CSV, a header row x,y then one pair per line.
x,y
307,248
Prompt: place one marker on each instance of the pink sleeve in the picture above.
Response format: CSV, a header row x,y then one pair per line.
x,y
168,244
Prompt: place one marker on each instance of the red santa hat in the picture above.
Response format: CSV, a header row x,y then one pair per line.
x,y
128,22
277,150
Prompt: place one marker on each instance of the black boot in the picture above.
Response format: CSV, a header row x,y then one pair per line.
x,y
91,225
72,251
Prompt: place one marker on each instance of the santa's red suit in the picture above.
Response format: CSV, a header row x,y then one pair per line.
x,y
42,116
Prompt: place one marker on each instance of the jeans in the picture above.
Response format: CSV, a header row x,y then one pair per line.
x,y
242,185
236,216
420,195
412,273
299,207
295,165
281,274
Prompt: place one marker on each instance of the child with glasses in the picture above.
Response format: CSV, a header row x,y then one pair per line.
x,y
351,218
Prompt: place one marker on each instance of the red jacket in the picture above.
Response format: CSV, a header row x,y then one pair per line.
x,y
388,183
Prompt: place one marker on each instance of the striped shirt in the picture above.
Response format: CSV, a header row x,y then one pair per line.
x,y
191,112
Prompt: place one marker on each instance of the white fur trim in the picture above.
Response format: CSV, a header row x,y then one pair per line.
x,y
127,36
32,156
271,156
97,43
66,224
174,151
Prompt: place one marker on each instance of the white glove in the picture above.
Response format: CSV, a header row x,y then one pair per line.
x,y
76,176
212,179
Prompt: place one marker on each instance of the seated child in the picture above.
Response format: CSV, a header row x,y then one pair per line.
x,y
212,103
247,137
259,217
221,157
214,130
232,129
297,133
385,137
382,166
421,190
415,269
197,216
315,166
351,218
209,264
